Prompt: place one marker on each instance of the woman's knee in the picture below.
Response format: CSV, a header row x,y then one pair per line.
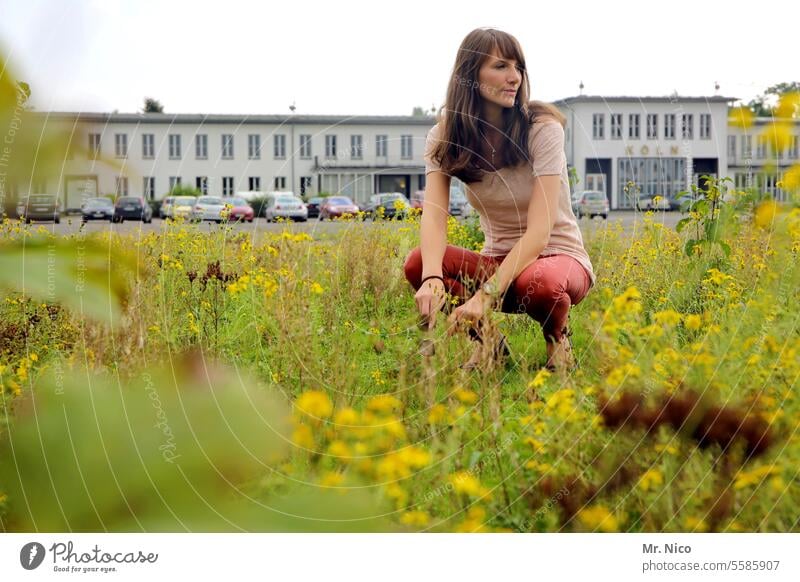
x,y
413,267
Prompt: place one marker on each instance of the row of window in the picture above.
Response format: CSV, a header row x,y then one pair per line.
x,y
202,184
746,141
254,147
634,126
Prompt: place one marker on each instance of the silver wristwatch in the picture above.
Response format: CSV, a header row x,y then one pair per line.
x,y
490,289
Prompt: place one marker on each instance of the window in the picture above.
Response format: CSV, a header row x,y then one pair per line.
x,y
280,182
761,149
747,146
201,146
381,145
793,147
731,146
227,146
305,147
598,129
356,147
663,176
279,145
227,185
254,147
148,146
652,126
687,125
330,146
121,145
122,186
306,184
616,126
94,145
149,187
705,126
405,147
633,126
201,183
254,183
174,146
669,126
174,182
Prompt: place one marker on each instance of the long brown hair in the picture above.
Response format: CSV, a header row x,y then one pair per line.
x,y
458,151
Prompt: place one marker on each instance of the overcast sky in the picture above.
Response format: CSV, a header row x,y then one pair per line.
x,y
344,57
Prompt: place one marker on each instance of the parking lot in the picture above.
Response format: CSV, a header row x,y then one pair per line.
x,y
71,224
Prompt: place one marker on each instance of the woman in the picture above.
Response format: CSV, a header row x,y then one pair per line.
x,y
510,154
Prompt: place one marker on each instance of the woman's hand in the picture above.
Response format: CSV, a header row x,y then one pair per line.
x,y
469,314
430,298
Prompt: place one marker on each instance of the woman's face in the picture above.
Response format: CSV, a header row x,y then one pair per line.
x,y
499,79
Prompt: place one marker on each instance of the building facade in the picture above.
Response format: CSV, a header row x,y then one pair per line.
x,y
623,146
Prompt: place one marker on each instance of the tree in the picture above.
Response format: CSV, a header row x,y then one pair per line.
x,y
152,105
765,105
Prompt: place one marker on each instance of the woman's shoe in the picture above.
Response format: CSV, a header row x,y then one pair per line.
x,y
568,353
500,353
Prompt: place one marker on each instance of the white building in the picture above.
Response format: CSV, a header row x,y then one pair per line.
x,y
148,154
662,144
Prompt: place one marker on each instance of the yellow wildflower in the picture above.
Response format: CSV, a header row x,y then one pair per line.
x,y
651,479
597,517
315,403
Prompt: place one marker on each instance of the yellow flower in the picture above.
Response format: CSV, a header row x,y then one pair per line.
x,y
317,288
465,396
414,457
465,483
693,321
651,479
741,116
536,445
384,403
331,479
765,213
438,414
315,403
33,357
598,517
791,179
415,518
695,524
540,379
303,437
346,417
339,448
669,317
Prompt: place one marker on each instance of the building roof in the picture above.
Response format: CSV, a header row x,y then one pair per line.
x,y
238,119
652,99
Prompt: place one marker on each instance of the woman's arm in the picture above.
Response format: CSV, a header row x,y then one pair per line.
x,y
433,226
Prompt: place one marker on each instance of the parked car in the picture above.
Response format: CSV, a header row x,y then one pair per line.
x,y
39,207
209,208
336,206
239,210
457,202
592,203
313,206
132,208
97,209
182,206
165,211
652,202
575,198
394,205
417,199
284,205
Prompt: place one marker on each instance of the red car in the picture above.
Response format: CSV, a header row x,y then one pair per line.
x,y
240,211
337,206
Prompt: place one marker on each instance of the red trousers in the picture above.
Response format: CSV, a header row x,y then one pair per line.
x,y
545,289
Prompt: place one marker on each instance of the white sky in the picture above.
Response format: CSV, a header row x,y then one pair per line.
x,y
384,58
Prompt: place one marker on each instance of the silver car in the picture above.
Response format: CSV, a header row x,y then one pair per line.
x,y
287,206
592,203
208,208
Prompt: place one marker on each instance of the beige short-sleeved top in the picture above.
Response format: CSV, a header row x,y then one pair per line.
x,y
501,198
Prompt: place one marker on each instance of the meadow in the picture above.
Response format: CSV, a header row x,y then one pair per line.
x,y
182,381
